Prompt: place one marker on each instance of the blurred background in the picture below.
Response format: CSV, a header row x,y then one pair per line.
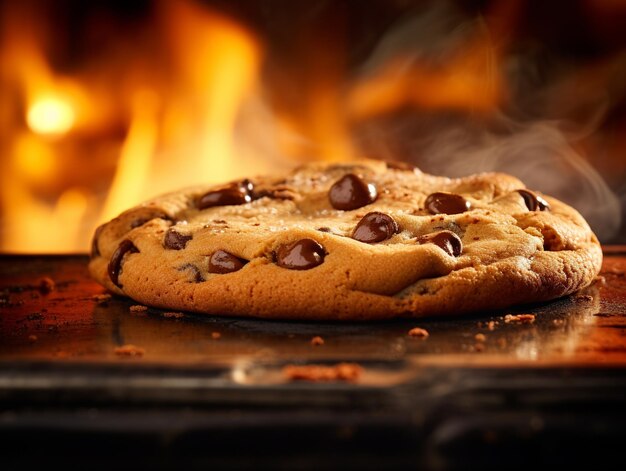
x,y
104,104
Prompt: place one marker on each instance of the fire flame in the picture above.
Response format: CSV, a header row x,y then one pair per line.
x,y
133,166
218,63
181,124
185,105
470,80
193,120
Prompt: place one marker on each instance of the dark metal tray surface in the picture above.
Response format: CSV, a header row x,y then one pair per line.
x,y
548,392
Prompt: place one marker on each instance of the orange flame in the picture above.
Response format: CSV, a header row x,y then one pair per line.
x,y
470,80
181,112
193,121
133,166
218,64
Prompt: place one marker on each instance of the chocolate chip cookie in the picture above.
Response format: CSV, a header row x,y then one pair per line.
x,y
358,241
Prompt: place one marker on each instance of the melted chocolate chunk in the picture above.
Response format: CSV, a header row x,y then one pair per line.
x,y
533,201
194,270
446,203
446,240
95,250
396,165
222,262
300,255
350,192
115,264
237,193
375,227
175,240
141,221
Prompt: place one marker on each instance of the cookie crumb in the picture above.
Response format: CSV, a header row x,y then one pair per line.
x,y
129,350
101,298
491,325
138,308
479,347
418,332
317,340
558,322
173,315
350,372
480,337
46,284
583,297
519,318
216,335
32,338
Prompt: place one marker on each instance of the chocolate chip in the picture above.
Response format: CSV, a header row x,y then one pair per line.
x,y
533,201
446,203
350,192
446,240
375,227
95,250
175,240
324,229
396,165
194,270
223,262
300,255
237,193
141,221
115,264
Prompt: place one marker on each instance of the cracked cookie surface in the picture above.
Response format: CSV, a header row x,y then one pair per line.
x,y
358,241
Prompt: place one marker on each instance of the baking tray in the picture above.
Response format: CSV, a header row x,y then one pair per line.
x,y
551,391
